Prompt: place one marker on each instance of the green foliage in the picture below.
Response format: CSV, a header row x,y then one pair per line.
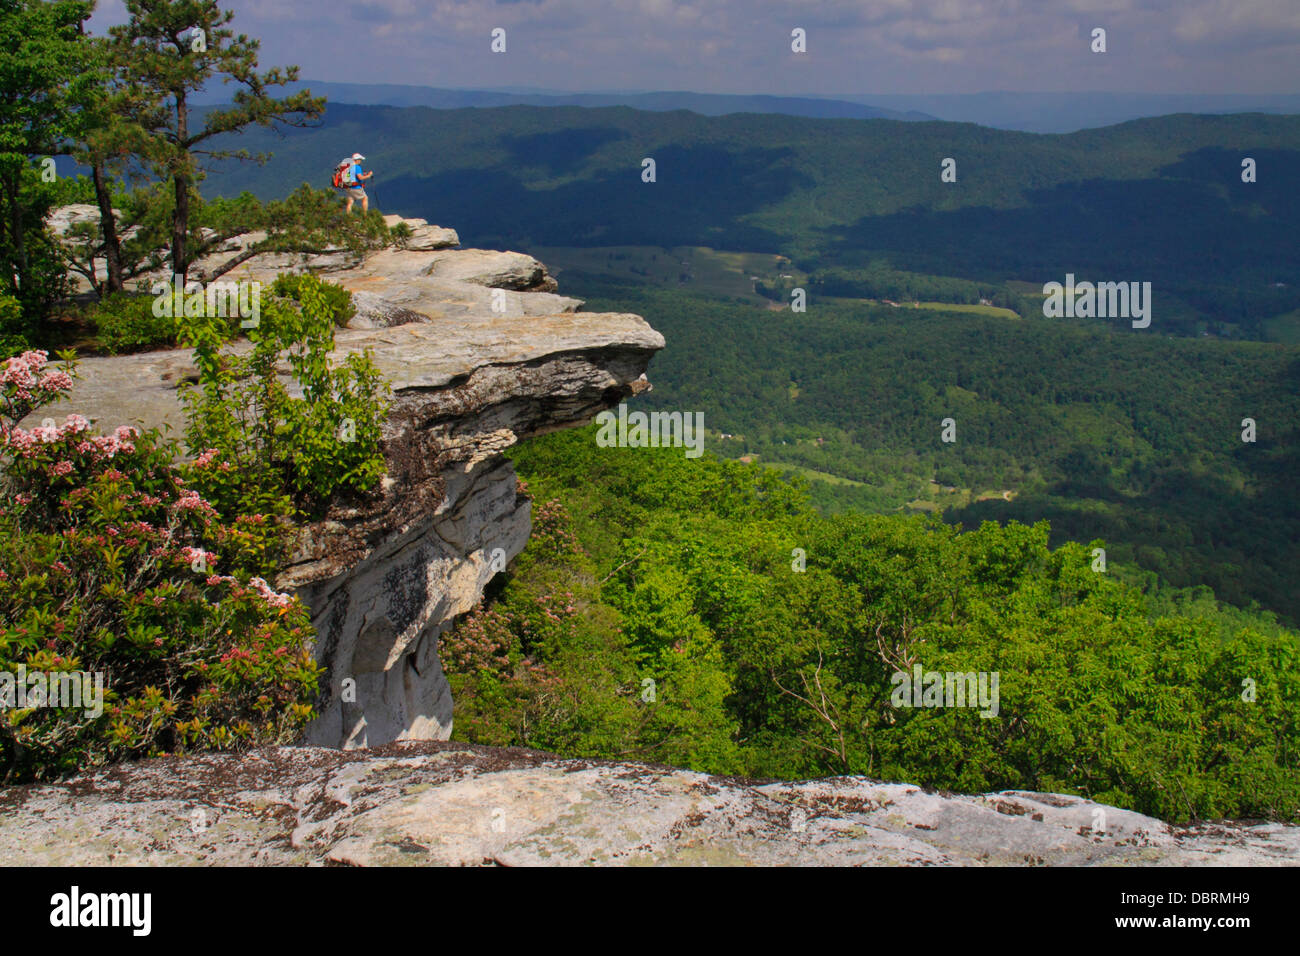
x,y
546,666
42,82
38,279
314,220
684,572
401,234
285,448
67,190
337,300
1104,434
126,323
12,341
110,565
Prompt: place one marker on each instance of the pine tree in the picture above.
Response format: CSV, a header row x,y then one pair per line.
x,y
173,49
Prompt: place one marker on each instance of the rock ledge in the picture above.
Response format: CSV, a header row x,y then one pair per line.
x,y
427,803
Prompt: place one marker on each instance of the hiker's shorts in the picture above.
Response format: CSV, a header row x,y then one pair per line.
x,y
356,192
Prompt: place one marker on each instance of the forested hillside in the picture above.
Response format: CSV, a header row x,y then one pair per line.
x,y
1134,439
695,612
1159,200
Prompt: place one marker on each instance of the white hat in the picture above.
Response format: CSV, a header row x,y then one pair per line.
x,y
357,156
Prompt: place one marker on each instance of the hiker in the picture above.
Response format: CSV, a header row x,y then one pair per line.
x,y
349,177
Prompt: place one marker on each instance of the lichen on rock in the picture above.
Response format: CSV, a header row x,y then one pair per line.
x,y
429,803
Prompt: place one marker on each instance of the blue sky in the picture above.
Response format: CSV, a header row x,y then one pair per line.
x,y
743,46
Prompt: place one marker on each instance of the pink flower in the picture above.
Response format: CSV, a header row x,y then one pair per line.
x,y
27,443
198,555
20,371
272,598
55,382
190,501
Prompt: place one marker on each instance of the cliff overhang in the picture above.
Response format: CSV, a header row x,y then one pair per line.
x,y
480,353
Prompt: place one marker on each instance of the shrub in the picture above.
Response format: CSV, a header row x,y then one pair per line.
x,y
301,449
111,565
12,340
337,299
400,234
27,383
306,221
126,323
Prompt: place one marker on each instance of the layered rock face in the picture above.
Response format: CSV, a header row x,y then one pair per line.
x,y
480,354
423,803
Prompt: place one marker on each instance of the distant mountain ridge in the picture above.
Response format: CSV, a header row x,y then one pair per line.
x,y
1026,112
1069,112
706,104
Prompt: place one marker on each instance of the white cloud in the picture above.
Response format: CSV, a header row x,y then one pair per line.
x,y
743,45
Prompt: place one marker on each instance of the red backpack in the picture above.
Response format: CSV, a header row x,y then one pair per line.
x,y
339,173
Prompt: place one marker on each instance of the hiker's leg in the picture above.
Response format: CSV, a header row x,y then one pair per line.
x,y
365,205
349,205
